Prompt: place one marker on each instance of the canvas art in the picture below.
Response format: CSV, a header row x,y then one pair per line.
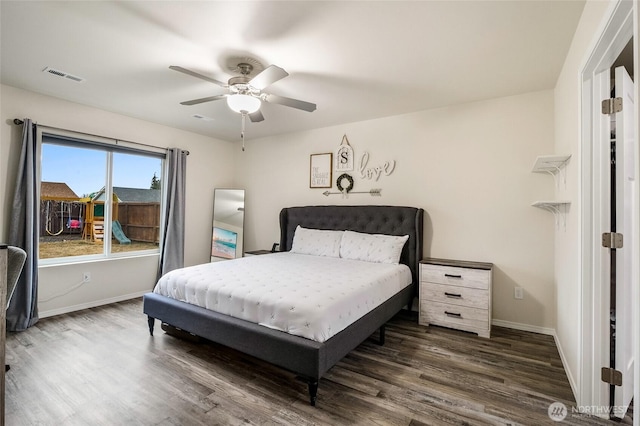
x,y
223,243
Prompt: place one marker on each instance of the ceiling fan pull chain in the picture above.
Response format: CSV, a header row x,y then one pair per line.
x,y
244,117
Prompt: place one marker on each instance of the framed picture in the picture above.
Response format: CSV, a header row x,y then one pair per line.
x,y
320,170
224,243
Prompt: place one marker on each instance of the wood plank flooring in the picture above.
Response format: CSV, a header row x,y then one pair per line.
x,y
100,367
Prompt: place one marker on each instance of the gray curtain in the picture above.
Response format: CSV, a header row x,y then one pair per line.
x,y
172,244
23,232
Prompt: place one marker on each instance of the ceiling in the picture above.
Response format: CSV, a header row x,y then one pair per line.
x,y
355,60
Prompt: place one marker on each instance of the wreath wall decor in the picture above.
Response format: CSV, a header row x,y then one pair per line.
x,y
348,178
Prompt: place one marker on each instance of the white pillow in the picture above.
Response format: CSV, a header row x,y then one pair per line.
x,y
376,248
317,242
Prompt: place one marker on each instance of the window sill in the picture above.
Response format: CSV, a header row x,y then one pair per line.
x,y
55,262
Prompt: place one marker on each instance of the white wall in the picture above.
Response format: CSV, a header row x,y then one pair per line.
x,y
469,167
567,98
208,166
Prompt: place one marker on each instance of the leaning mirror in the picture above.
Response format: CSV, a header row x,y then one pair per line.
x,y
228,224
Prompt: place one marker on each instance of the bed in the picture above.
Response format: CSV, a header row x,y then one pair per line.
x,y
308,358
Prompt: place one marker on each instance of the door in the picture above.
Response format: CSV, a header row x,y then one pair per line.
x,y
624,211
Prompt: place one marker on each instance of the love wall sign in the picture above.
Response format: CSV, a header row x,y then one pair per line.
x,y
374,172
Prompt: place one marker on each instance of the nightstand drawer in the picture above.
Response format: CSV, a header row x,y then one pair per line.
x,y
450,275
454,316
461,296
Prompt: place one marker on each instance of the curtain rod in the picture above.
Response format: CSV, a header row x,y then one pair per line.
x,y
18,122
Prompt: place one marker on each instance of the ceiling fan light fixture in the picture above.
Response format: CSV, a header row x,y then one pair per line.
x,y
243,103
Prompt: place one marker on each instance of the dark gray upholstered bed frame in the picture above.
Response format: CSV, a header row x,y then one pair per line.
x,y
305,357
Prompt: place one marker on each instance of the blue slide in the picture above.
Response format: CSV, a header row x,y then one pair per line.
x,y
116,230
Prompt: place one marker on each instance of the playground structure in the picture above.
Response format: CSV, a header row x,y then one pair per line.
x,y
63,213
83,216
93,228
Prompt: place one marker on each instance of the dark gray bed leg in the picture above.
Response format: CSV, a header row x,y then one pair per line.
x,y
382,334
151,321
313,392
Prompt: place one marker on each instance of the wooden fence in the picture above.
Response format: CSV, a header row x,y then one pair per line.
x,y
140,221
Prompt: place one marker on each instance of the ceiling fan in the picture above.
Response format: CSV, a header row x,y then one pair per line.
x,y
246,91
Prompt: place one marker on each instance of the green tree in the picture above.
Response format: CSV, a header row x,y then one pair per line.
x,y
155,182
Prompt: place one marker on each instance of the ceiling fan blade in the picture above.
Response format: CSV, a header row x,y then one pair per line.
x,y
268,76
293,103
203,100
196,75
256,117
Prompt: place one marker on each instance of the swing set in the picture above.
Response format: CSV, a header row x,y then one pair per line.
x,y
61,211
54,216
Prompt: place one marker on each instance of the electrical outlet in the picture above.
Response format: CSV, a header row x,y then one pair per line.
x,y
518,293
86,277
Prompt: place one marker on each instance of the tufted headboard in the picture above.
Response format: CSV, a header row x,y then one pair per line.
x,y
390,220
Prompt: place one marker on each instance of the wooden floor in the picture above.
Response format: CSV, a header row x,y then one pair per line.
x,y
100,367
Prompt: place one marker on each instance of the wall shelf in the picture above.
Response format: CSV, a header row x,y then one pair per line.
x,y
558,208
553,165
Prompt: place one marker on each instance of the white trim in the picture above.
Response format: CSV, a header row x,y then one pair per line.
x,y
585,341
636,292
567,371
96,258
524,327
93,304
611,39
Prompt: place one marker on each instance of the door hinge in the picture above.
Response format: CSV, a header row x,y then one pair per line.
x,y
612,240
611,376
611,106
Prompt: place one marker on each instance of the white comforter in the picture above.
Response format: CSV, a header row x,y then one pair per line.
x,y
309,296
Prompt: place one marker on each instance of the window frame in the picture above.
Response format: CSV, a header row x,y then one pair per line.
x,y
110,146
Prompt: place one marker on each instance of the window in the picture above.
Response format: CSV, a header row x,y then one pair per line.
x,y
90,190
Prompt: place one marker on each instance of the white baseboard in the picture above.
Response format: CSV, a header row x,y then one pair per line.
x,y
93,304
524,327
572,382
549,332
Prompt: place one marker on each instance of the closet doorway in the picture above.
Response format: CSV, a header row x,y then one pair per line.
x,y
609,210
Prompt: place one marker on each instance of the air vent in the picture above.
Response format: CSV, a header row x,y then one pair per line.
x,y
202,117
63,74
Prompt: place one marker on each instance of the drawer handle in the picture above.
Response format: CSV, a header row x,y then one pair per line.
x,y
453,314
453,295
452,276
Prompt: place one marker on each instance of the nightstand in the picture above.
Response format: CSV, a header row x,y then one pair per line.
x,y
257,252
456,294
